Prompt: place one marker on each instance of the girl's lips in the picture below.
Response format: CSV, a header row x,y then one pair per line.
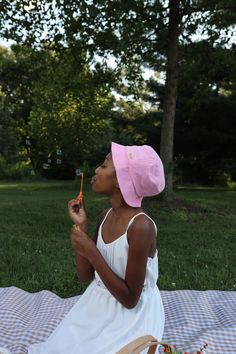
x,y
93,179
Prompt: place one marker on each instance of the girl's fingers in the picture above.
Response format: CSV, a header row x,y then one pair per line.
x,y
76,202
72,202
82,203
76,231
76,228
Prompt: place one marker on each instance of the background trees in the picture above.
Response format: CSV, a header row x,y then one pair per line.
x,y
155,34
61,109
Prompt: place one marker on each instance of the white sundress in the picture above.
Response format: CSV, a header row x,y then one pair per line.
x,y
98,323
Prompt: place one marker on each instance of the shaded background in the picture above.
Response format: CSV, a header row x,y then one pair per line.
x,y
80,75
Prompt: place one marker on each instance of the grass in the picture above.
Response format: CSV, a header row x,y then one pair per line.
x,y
196,238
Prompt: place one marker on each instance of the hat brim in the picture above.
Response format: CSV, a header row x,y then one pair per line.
x,y
121,164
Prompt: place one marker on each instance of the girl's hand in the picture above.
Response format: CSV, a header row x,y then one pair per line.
x,y
81,242
77,213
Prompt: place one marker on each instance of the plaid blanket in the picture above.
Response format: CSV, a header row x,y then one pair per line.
x,y
192,318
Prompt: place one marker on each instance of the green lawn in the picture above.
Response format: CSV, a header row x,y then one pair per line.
x,y
196,239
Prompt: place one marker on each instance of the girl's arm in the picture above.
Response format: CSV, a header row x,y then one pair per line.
x,y
84,268
127,291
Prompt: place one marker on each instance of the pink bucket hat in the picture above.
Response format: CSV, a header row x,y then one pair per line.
x,y
139,172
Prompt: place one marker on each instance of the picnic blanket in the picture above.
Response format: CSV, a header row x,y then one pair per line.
x,y
192,318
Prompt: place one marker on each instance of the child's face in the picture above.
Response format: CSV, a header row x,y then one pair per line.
x,y
104,181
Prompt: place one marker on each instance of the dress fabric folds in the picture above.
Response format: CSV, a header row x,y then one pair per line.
x,y
98,323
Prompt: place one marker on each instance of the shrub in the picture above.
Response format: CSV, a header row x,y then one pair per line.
x,y
13,171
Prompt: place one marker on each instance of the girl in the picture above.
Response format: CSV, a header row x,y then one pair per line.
x,y
122,302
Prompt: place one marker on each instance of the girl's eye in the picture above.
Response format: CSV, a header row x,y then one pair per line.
x,y
101,165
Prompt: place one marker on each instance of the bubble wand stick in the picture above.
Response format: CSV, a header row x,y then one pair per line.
x,y
80,195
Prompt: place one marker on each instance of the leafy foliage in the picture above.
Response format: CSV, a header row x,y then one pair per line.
x,y
58,104
61,99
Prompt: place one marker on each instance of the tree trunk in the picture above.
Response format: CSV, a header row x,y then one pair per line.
x,y
169,105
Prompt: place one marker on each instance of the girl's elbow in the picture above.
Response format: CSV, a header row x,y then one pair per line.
x,y
130,306
85,278
131,303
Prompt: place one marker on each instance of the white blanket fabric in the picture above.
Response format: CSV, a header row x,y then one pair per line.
x,y
192,318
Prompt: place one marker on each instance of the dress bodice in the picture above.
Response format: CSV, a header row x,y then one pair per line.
x,y
116,255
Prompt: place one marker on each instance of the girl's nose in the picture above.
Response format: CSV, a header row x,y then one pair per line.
x,y
96,169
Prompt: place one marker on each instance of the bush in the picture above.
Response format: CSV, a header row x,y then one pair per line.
x,y
19,170
211,172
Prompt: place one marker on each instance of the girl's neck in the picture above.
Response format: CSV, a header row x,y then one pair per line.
x,y
120,208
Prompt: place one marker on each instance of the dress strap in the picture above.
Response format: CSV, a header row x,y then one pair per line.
x,y
103,219
131,221
100,227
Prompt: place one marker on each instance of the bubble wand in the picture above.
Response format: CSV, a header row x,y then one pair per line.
x,y
80,195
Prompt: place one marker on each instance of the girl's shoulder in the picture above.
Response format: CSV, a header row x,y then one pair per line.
x,y
142,221
142,231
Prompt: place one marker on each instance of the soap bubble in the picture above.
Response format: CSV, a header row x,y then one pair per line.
x,y
58,152
78,172
46,166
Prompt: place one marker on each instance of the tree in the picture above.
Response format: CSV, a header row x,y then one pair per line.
x,y
205,125
9,142
135,32
71,112
167,132
59,107
19,69
205,143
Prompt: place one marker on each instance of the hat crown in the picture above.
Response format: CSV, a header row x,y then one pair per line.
x,y
139,171
146,170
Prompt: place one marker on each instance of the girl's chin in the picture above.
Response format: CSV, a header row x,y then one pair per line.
x,y
94,189
97,191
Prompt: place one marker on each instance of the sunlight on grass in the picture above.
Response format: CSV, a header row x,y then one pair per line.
x,y
7,186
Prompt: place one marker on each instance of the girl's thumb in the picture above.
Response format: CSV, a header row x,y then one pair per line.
x,y
82,203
